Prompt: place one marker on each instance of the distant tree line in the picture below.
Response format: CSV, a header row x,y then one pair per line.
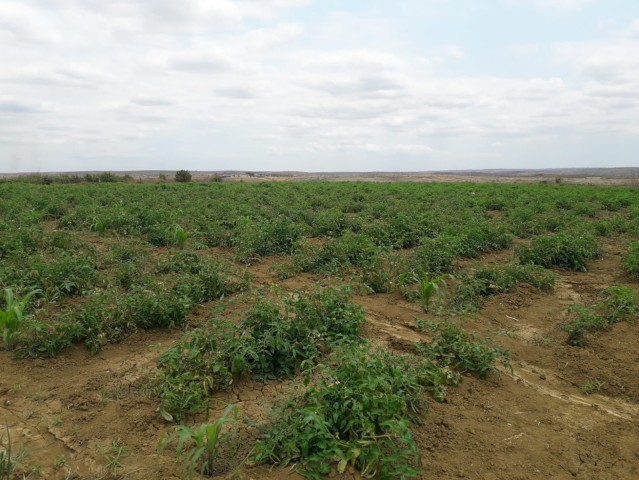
x,y
181,176
38,178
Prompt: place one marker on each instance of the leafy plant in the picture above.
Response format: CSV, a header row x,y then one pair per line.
x,y
7,463
631,260
183,176
473,288
618,304
274,340
428,287
200,363
569,249
358,413
592,386
453,346
113,455
12,315
199,447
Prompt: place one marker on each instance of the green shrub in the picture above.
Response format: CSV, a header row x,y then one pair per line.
x,y
274,340
183,176
585,321
357,413
65,275
631,260
472,288
618,304
44,340
156,309
453,346
209,280
434,256
200,363
359,410
564,249
476,239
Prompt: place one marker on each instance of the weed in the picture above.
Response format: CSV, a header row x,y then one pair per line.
x,y
199,447
7,462
631,260
59,462
469,293
618,304
592,386
585,321
452,346
165,236
113,455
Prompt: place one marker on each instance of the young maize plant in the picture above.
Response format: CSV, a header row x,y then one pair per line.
x,y
12,316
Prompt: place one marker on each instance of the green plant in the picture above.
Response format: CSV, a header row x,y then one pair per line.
x,y
631,260
177,235
569,249
100,224
617,304
585,321
427,287
201,362
592,386
7,463
59,462
183,176
12,315
453,346
470,291
358,413
273,341
113,455
199,447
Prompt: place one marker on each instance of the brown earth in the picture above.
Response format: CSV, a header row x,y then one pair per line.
x,y
531,422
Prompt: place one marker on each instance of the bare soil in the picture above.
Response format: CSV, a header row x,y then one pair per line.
x,y
531,422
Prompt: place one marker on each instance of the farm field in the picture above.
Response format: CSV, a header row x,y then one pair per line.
x,y
360,330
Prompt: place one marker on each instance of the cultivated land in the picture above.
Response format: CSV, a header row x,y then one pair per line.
x,y
407,330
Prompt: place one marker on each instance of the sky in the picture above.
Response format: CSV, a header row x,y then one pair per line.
x,y
368,85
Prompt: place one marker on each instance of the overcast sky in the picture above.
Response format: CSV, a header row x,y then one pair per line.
x,y
322,85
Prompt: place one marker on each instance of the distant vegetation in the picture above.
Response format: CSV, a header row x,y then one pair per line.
x,y
183,176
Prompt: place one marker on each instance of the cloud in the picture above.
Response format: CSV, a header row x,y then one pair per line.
x,y
562,6
152,102
18,107
248,79
26,23
236,92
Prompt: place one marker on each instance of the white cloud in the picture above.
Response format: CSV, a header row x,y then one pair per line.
x,y
26,23
235,79
563,6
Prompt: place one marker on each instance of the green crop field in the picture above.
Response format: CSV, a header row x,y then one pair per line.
x,y
277,330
